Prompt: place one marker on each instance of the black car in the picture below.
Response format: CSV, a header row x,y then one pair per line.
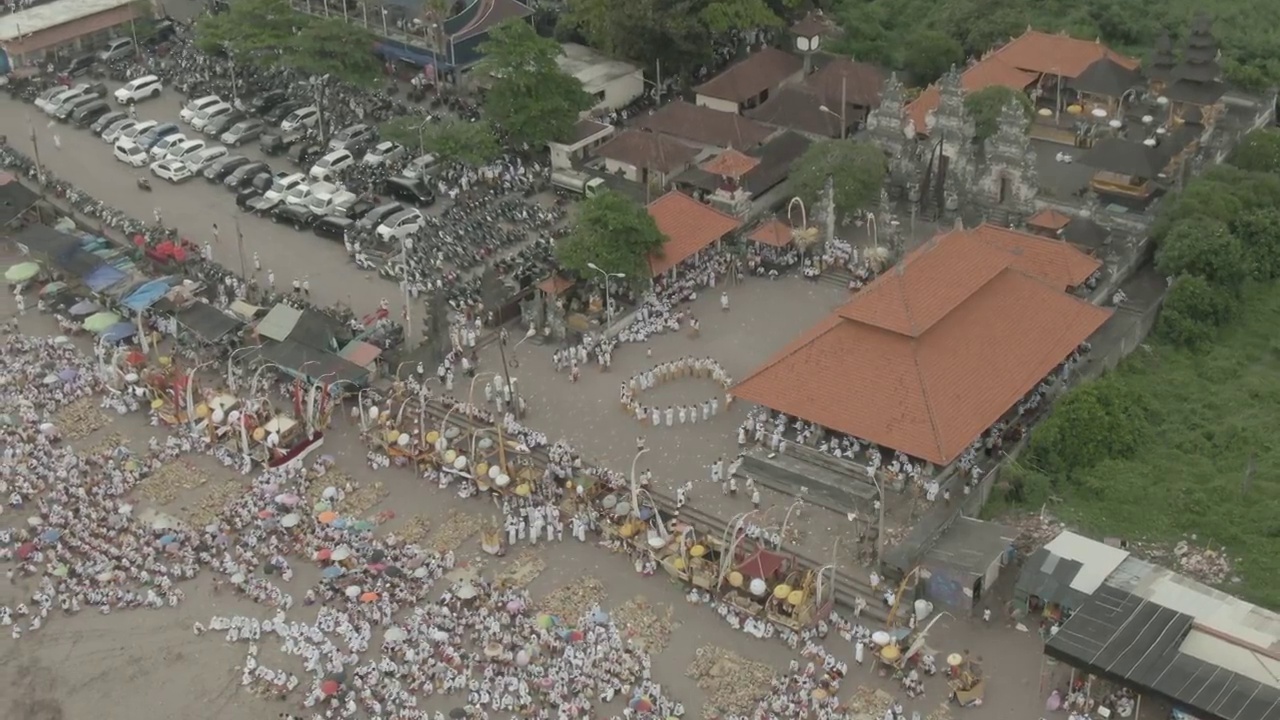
x,y
241,175
222,167
332,228
374,217
80,65
267,101
105,121
281,111
220,124
359,209
244,197
299,216
86,114
264,205
305,154
409,192
263,181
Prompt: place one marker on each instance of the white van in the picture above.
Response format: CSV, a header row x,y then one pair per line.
x,y
299,194
144,88
116,49
283,185
332,164
194,107
330,199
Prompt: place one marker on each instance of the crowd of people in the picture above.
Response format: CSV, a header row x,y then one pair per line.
x,y
686,367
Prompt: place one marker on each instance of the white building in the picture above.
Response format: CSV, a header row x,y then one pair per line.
x,y
611,83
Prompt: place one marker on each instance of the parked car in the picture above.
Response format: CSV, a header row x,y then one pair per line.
x,y
409,192
284,184
44,99
105,121
113,131
130,153
160,148
331,165
117,49
191,109
216,126
259,104
305,152
277,114
138,89
299,194
66,109
137,130
296,215
218,171
374,217
304,117
243,131
362,206
185,150
246,196
354,138
148,139
173,170
332,227
207,115
384,153
400,225
87,114
78,66
241,175
419,167
263,206
206,157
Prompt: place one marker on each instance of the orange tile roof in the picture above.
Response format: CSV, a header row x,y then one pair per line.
x,y
1018,63
731,164
1049,219
1057,263
555,285
772,232
689,226
899,368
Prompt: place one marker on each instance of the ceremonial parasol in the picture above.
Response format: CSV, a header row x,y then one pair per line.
x,y
329,687
290,520
327,516
331,572
22,272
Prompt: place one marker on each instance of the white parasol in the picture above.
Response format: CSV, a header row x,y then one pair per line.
x,y
758,586
329,493
237,578
290,520
467,591
341,553
393,634
420,573
353,591
502,480
35,521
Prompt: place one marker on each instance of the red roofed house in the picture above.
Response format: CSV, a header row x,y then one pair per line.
x,y
690,228
1034,59
931,354
748,82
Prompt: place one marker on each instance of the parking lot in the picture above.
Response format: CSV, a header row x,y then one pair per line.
x,y
196,207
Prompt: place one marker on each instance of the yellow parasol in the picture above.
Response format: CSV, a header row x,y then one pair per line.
x,y
679,563
450,456
735,579
157,404
890,653
432,437
259,434
819,694
782,591
698,551
482,469
523,490
795,598
202,411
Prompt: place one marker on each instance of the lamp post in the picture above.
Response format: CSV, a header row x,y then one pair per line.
x,y
608,298
844,123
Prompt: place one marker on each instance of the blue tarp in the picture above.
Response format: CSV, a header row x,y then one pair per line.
x,y
118,332
103,277
147,295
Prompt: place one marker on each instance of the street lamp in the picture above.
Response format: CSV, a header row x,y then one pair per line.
x,y
608,298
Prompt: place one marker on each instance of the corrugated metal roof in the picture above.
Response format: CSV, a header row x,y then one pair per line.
x,y
51,15
279,322
1097,560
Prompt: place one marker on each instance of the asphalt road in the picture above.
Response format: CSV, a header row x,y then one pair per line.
x,y
196,206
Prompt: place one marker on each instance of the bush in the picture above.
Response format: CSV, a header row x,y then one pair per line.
x,y
1205,248
1259,151
1098,421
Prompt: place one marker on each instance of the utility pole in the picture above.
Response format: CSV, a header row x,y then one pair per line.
x,y
35,146
829,208
244,272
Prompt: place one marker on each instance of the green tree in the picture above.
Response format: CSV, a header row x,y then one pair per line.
x,y
531,99
1193,311
928,54
1206,248
336,48
467,143
721,17
1102,420
857,171
1259,151
1259,233
615,234
985,106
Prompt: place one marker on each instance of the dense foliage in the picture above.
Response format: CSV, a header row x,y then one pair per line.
x,y
857,170
1180,439
613,233
901,34
985,106
531,99
458,141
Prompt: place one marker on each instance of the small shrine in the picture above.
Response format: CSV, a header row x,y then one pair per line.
x,y
729,167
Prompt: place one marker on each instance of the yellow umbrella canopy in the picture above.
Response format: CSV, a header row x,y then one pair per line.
x,y
795,598
735,579
890,653
432,437
782,591
698,551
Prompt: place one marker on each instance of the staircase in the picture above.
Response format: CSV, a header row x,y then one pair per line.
x,y
837,276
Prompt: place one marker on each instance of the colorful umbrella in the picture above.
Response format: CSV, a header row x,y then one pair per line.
x,y
52,288
50,535
329,687
369,597
100,321
327,516
324,554
22,272
25,550
545,621
331,572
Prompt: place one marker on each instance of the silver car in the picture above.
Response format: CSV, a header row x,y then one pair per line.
x,y
243,131
385,153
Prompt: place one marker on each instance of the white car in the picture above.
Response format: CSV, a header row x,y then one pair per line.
x,y
332,164
130,153
300,194
175,171
209,114
137,130
206,157
143,88
283,185
114,132
162,146
45,99
185,150
400,225
52,104
384,153
300,118
191,109
419,167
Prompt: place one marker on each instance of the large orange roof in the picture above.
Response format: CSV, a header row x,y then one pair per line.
x,y
932,353
689,226
1019,63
